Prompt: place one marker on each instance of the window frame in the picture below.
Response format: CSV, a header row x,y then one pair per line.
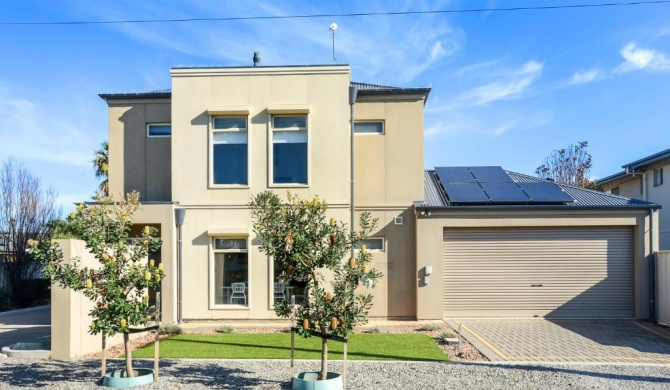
x,y
658,177
381,239
148,126
615,190
212,275
271,131
210,150
383,123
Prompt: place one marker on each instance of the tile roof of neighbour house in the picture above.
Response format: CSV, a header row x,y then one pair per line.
x,y
435,197
635,166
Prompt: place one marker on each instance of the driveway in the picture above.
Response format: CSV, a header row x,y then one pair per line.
x,y
552,340
25,324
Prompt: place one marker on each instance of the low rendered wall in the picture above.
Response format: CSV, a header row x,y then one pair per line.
x,y
69,313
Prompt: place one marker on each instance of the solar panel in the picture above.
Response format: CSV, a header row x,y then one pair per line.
x,y
546,192
490,175
455,175
505,193
465,193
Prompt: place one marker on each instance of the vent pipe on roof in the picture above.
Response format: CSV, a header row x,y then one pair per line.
x,y
257,58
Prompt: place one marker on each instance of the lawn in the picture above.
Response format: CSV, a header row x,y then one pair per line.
x,y
277,346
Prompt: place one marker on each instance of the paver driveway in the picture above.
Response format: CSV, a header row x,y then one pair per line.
x,y
612,341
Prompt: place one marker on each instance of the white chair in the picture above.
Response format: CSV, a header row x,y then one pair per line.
x,y
280,292
239,291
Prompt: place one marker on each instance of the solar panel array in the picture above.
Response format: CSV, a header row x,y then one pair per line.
x,y
492,185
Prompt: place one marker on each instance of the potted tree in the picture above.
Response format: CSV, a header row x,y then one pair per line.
x,y
119,285
298,235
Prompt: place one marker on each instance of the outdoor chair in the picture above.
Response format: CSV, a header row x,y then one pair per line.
x,y
280,292
239,291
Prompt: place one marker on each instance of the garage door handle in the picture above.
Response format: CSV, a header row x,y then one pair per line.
x,y
536,285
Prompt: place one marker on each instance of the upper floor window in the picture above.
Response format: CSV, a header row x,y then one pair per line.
x,y
159,130
229,150
289,149
658,177
615,191
369,127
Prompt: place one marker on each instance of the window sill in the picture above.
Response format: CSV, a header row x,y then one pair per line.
x,y
229,187
288,185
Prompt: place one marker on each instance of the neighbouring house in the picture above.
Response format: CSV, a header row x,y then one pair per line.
x,y
643,179
223,134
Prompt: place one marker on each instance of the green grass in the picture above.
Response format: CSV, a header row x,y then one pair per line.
x,y
277,346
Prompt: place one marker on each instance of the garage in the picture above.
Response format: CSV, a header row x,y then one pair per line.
x,y
500,244
576,272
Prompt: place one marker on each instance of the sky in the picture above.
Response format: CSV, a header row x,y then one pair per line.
x,y
507,87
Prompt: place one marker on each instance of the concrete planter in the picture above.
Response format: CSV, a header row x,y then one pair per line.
x,y
119,379
309,381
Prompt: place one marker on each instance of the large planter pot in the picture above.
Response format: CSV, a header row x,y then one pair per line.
x,y
118,378
308,381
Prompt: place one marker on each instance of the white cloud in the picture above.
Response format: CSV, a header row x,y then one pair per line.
x,y
513,86
523,122
584,77
637,58
438,51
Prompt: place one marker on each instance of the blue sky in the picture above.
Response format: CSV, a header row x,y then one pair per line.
x,y
507,87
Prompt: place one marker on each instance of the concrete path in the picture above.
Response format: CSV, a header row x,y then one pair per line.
x,y
25,324
545,340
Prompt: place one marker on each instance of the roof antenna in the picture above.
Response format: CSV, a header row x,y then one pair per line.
x,y
333,27
257,58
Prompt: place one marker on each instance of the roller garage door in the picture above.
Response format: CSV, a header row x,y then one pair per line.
x,y
537,272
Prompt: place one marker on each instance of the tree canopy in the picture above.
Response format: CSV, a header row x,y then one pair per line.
x,y
571,165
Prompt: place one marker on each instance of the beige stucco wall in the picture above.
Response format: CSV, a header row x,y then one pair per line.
x,y
69,313
321,90
429,236
138,162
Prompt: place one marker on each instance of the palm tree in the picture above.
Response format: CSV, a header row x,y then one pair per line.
x,y
101,166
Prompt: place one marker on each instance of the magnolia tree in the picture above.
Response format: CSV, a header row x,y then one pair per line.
x,y
118,285
298,235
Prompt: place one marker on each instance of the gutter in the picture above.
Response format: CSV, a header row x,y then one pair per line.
x,y
539,207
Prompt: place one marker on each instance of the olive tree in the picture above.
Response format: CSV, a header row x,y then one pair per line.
x,y
298,235
118,285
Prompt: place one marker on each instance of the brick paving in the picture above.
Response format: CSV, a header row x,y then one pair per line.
x,y
601,341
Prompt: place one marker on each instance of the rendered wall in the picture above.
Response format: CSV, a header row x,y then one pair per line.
x,y
429,236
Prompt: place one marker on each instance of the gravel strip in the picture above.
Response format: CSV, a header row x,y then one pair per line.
x,y
274,374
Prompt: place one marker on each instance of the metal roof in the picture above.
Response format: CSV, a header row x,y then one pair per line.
x,y
363,89
613,178
584,198
636,165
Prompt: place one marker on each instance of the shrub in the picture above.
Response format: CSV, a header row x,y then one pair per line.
x,y
36,292
428,327
227,329
4,299
170,329
443,336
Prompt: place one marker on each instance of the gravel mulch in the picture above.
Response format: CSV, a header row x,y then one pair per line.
x,y
275,374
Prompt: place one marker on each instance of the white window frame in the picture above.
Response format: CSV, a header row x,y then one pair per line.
x,y
381,239
212,277
211,132
159,124
658,177
271,129
371,121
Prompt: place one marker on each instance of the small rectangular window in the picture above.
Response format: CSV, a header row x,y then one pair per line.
x,y
372,244
231,271
229,150
615,191
289,150
375,127
159,130
658,177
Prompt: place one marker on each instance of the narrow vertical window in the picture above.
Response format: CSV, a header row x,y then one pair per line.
x,y
658,177
289,150
231,271
229,150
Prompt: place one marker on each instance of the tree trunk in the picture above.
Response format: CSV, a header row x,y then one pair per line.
x,y
129,363
324,358
104,356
